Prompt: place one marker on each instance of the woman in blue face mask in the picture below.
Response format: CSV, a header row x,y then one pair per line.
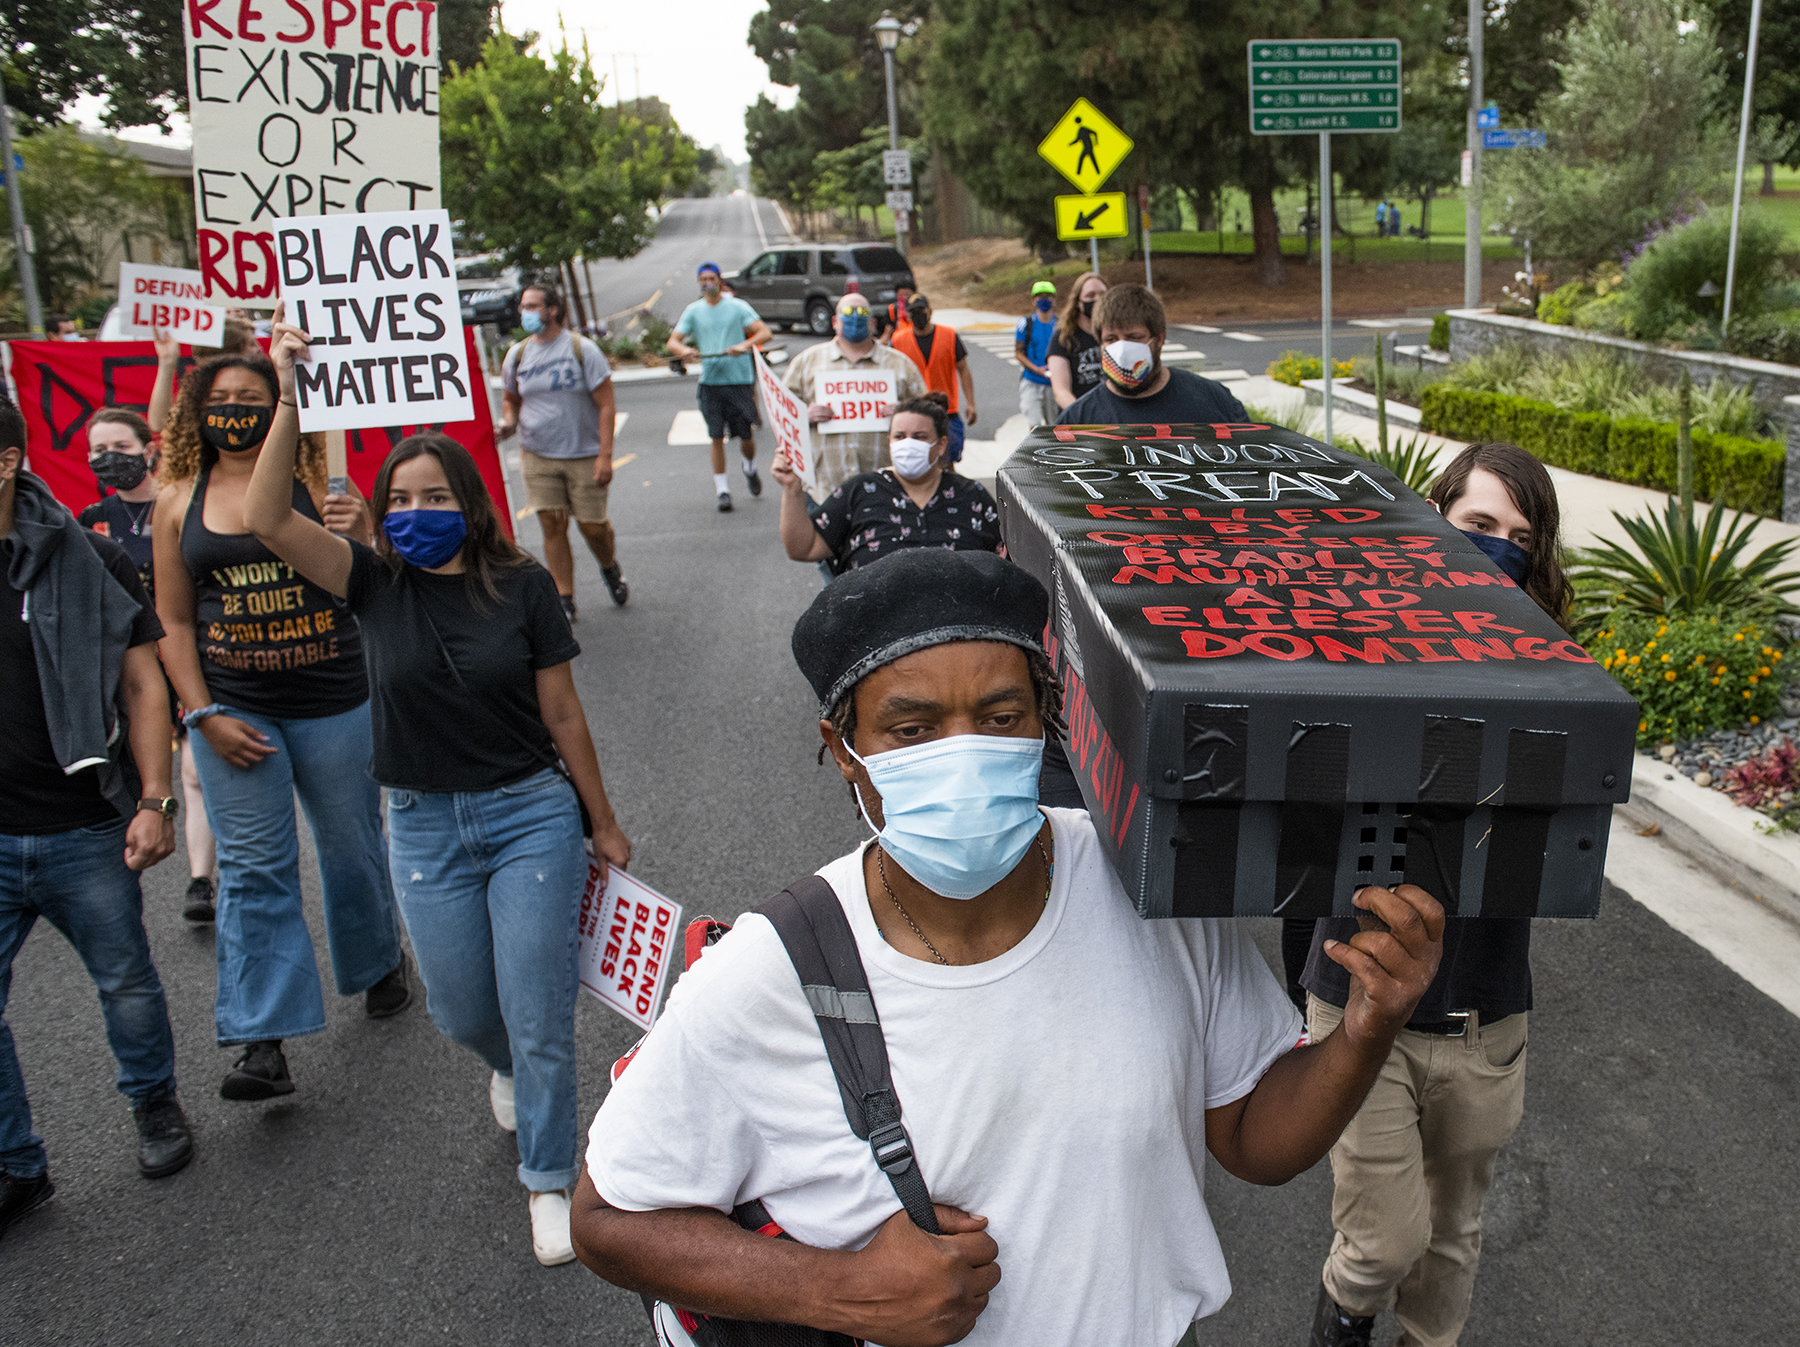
x,y
480,738
1503,501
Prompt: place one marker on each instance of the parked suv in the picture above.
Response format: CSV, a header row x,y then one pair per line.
x,y
489,290
801,285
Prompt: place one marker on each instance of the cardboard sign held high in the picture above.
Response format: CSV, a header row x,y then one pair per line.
x,y
377,295
171,299
787,414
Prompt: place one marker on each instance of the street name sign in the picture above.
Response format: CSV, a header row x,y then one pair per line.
x,y
1101,216
899,200
896,168
1487,117
1518,138
1085,147
1330,85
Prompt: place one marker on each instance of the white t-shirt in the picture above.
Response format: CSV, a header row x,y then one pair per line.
x,y
1058,1090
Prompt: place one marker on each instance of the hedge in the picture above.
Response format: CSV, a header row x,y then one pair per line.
x,y
1744,474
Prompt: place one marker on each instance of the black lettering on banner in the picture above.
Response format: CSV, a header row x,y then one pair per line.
x,y
387,363
346,383
338,336
366,366
262,197
364,84
294,203
371,327
412,192
316,63
61,434
393,232
200,94
413,101
415,390
362,249
310,377
325,277
445,369
437,324
345,71
207,192
396,307
387,87
262,140
426,247
293,256
324,200
256,76
343,131
362,197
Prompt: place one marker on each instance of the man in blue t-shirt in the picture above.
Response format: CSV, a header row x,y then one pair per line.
x,y
721,332
1031,344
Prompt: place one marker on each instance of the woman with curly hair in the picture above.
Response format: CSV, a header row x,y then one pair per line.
x,y
271,672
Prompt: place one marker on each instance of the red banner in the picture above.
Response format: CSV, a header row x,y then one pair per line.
x,y
60,384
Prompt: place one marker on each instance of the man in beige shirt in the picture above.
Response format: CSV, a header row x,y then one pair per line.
x,y
843,456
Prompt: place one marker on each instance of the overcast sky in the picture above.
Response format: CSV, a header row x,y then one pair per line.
x,y
692,54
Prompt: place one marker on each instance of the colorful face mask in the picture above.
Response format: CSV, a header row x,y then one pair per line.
x,y
233,427
1129,364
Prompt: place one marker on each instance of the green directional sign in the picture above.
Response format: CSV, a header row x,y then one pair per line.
x,y
1301,87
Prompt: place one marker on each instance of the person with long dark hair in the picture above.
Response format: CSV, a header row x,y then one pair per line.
x,y
271,674
1413,1167
463,629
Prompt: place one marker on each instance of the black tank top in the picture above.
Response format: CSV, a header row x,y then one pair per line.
x,y
271,641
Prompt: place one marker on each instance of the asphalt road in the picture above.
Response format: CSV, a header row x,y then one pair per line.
x,y
729,230
1648,1198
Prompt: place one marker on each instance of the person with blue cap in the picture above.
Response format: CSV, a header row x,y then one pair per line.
x,y
720,331
1062,1066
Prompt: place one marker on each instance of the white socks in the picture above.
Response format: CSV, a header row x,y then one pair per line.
x,y
721,483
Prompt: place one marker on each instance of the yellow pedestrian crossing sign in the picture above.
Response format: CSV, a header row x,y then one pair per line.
x,y
1085,147
1092,217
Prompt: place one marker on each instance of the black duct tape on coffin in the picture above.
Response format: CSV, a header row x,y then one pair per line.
x,y
1286,676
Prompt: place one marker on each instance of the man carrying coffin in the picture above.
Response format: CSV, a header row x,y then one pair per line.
x,y
1004,967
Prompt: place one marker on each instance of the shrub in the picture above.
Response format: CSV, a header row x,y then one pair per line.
x,y
1439,340
1403,382
656,332
1560,304
1769,336
1664,280
1300,418
1615,314
1413,462
1745,474
1768,783
1692,674
1297,365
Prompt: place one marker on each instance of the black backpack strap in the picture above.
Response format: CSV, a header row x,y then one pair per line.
x,y
812,925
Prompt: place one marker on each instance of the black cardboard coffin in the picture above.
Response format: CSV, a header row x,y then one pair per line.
x,y
1285,676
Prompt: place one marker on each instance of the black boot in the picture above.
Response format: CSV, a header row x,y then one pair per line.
x,y
261,1073
19,1196
1334,1326
391,995
164,1144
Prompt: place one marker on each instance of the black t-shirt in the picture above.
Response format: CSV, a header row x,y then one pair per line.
x,y
871,516
433,733
128,525
35,796
271,641
1185,399
1082,351
927,339
1486,967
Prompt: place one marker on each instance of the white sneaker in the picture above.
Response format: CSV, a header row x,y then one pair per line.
x,y
500,1098
550,1229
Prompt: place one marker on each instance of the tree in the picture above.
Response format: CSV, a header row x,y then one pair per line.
x,y
464,27
1772,141
57,50
80,198
1634,133
1777,90
1520,46
539,170
1425,155
851,179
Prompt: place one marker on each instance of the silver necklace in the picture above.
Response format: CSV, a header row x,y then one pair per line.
x,y
881,869
138,517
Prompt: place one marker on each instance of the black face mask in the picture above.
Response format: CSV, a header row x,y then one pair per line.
x,y
1087,308
233,427
120,471
1504,553
920,321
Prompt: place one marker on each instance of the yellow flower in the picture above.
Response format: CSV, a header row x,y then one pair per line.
x,y
1719,670
1667,658
1715,682
1643,725
1764,671
1738,637
1649,646
1619,653
1756,720
1670,676
1767,650
1746,696
1632,660
1777,655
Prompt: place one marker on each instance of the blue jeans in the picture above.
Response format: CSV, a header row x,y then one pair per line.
x,y
268,978
490,885
78,882
953,453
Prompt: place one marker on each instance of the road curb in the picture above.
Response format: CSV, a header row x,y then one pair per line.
x,y
1717,835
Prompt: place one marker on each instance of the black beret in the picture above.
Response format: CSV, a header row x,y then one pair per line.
x,y
910,601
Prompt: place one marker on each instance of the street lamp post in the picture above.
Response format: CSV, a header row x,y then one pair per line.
x,y
34,315
887,37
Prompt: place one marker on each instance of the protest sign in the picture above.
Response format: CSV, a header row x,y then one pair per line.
x,y
629,935
171,299
377,295
857,398
58,385
787,414
312,107
1285,676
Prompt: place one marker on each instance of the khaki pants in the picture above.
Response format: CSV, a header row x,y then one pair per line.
x,y
1413,1168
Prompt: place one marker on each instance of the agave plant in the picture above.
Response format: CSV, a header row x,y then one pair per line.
x,y
1682,565
1413,461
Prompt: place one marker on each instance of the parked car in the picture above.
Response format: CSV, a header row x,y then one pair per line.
x,y
489,290
800,286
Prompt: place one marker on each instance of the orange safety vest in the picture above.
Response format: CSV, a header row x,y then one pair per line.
x,y
940,370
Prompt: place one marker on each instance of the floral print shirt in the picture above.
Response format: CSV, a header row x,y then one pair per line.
x,y
871,515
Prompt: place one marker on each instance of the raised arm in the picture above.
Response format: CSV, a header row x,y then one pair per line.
x,y
162,392
310,548
1306,1099
799,538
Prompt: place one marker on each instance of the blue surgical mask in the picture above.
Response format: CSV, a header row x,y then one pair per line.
x,y
1045,304
854,325
958,813
427,538
1504,553
532,321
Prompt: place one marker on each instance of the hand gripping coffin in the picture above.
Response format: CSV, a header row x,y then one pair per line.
x,y
1286,676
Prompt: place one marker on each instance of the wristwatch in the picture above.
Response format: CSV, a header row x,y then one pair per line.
x,y
166,805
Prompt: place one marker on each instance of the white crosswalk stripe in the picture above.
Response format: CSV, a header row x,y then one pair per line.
x,y
1243,336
